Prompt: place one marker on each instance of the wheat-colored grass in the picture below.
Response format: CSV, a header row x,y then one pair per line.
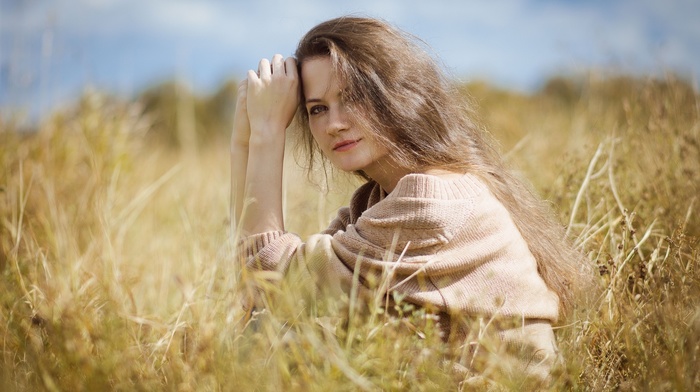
x,y
118,270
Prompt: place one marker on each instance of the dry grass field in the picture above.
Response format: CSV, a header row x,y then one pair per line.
x,y
117,269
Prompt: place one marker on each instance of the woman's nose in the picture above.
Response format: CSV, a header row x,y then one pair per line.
x,y
338,120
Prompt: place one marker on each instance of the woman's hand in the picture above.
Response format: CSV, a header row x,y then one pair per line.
x,y
241,125
272,98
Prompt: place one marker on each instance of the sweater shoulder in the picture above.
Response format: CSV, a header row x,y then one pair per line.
x,y
426,186
427,210
428,202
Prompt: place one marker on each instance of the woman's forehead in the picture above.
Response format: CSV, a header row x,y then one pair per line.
x,y
318,78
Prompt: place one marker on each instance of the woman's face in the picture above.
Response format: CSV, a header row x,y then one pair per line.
x,y
347,147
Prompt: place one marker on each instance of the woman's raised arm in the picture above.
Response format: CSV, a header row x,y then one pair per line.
x,y
240,137
272,97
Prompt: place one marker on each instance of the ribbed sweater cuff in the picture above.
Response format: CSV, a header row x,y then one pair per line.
x,y
254,243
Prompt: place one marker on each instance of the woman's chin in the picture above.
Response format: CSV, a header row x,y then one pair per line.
x,y
347,167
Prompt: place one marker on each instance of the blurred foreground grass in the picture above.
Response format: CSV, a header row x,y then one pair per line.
x,y
116,272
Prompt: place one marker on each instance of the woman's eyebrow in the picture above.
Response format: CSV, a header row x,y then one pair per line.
x,y
314,100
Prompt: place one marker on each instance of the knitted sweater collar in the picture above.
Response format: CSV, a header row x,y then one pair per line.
x,y
433,187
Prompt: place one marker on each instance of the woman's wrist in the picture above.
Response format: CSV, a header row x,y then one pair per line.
x,y
267,135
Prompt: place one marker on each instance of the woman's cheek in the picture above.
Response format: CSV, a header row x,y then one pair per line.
x,y
316,129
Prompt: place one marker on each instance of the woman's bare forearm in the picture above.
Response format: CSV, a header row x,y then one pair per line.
x,y
239,166
263,187
240,137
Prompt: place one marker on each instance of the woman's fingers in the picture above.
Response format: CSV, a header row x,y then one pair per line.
x,y
264,69
272,94
277,65
252,75
290,67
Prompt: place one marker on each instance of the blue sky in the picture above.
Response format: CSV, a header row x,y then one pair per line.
x,y
50,51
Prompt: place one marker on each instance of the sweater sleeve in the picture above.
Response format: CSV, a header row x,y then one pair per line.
x,y
270,251
306,264
316,258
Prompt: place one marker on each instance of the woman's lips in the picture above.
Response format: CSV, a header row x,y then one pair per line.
x,y
345,145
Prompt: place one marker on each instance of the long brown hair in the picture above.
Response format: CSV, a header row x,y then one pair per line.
x,y
399,94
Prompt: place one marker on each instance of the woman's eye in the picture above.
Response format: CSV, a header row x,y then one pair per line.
x,y
316,109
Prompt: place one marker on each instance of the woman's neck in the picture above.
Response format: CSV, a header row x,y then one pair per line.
x,y
387,177
386,172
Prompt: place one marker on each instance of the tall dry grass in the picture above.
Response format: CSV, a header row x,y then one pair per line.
x,y
116,267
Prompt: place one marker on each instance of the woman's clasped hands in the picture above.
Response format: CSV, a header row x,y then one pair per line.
x,y
271,98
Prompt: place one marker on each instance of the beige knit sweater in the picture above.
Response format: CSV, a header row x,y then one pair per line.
x,y
462,255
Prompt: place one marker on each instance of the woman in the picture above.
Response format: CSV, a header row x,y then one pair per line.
x,y
440,220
